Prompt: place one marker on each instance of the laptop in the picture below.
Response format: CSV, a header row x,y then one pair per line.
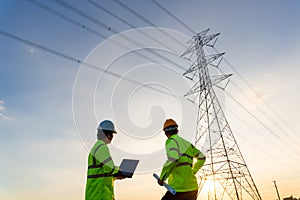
x,y
127,168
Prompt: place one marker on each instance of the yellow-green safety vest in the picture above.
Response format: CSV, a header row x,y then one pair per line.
x,y
101,168
180,168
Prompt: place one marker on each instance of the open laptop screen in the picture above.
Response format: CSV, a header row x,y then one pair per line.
x,y
128,167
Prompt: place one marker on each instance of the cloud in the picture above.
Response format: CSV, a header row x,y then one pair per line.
x,y
30,49
3,117
2,108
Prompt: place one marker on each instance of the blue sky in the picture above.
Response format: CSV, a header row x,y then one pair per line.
x,y
50,106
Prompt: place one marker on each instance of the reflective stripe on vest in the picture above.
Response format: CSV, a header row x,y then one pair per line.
x,y
183,164
99,175
172,159
180,155
95,165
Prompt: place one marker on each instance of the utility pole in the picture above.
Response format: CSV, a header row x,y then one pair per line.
x,y
276,190
224,165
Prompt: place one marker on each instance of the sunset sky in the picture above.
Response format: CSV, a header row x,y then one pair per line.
x,y
50,105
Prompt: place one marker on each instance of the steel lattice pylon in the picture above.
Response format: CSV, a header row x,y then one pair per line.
x,y
225,166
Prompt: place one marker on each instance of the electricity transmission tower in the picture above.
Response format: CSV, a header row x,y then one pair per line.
x,y
225,166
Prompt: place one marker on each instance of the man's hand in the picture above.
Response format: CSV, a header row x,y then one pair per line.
x,y
119,177
160,182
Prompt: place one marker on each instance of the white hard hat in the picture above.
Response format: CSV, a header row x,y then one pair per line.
x,y
107,125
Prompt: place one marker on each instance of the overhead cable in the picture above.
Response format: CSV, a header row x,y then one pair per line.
x,y
259,96
111,29
102,24
93,31
174,16
66,18
260,122
130,25
244,80
73,59
147,21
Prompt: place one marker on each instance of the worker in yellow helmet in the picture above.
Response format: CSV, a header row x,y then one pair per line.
x,y
101,169
179,168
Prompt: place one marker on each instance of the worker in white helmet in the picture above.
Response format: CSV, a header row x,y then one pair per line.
x,y
101,169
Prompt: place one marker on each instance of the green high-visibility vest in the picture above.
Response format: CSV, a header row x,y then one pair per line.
x,y
179,168
101,168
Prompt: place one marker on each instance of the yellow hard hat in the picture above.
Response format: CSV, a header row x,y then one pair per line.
x,y
171,124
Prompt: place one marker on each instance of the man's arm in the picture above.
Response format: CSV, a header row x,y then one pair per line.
x,y
200,160
105,158
173,156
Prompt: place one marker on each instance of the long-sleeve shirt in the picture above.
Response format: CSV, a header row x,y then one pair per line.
x,y
101,168
180,168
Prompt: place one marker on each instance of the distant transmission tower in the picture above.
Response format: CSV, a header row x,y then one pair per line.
x,y
225,167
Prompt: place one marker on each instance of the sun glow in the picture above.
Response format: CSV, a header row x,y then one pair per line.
x,y
210,189
208,186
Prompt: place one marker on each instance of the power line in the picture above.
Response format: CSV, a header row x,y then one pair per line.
x,y
190,29
247,83
262,111
268,154
68,57
128,24
73,59
269,118
143,18
254,117
81,13
256,93
74,22
174,16
66,18
66,5
259,121
111,13
255,145
110,29
147,21
91,30
87,16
